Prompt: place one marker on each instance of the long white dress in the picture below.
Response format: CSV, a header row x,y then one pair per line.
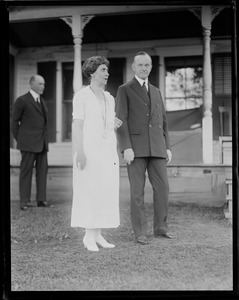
x,y
96,188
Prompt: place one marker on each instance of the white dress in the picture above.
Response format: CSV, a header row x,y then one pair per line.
x,y
96,188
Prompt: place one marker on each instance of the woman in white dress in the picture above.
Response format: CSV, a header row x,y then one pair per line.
x,y
95,158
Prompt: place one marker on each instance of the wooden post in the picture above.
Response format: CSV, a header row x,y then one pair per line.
x,y
77,38
58,102
77,24
206,14
207,125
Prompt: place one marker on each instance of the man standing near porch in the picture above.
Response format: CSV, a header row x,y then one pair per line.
x,y
29,128
144,141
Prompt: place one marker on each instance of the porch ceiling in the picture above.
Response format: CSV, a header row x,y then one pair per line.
x,y
113,28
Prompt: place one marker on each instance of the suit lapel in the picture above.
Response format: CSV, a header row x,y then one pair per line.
x,y
31,97
41,107
153,97
138,90
44,107
33,100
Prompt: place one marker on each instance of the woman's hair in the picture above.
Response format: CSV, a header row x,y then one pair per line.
x,y
92,63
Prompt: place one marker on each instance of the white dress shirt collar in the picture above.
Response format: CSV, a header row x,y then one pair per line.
x,y
141,81
34,95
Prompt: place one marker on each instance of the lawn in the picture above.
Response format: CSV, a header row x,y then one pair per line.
x,y
48,255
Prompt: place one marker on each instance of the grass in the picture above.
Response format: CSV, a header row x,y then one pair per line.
x,y
48,255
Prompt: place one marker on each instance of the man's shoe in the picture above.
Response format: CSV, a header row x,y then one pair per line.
x,y
23,207
142,240
164,235
44,204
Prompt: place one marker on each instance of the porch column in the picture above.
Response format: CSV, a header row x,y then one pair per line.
x,y
58,102
77,38
207,125
77,24
206,15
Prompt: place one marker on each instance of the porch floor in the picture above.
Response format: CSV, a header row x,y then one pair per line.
x,y
187,185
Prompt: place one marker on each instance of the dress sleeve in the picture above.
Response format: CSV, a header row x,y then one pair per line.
x,y
78,107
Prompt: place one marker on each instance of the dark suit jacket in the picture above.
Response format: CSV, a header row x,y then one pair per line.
x,y
144,126
29,124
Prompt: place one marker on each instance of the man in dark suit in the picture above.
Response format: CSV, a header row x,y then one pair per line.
x,y
144,141
29,128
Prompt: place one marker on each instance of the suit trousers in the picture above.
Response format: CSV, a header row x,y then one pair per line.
x,y
28,162
157,173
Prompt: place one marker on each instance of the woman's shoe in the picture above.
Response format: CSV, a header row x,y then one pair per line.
x,y
103,243
90,245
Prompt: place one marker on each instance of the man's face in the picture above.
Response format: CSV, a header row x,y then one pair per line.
x,y
38,85
142,66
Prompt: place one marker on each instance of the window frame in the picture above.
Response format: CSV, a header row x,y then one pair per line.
x,y
183,62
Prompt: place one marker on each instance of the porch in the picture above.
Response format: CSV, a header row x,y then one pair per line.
x,y
52,55
186,149
189,183
197,173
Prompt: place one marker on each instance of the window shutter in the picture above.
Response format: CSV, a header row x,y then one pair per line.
x,y
222,75
48,71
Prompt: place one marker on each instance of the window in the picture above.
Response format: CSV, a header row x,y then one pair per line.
x,y
48,71
183,83
67,85
222,75
154,74
11,92
222,94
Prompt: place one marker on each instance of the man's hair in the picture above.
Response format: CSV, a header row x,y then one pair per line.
x,y
33,78
143,53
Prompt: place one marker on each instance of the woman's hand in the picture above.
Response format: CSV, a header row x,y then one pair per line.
x,y
80,160
117,123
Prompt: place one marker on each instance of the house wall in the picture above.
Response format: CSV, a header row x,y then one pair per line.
x,y
27,58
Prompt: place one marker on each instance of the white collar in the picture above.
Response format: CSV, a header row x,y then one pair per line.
x,y
34,95
141,81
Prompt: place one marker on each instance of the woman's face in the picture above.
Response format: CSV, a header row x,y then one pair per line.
x,y
101,75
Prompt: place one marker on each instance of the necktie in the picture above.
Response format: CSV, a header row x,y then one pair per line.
x,y
145,89
38,100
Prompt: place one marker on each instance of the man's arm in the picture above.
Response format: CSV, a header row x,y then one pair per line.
x,y
123,132
122,113
165,125
165,128
16,116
